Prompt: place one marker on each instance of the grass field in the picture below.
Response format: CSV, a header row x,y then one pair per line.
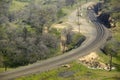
x,y
78,71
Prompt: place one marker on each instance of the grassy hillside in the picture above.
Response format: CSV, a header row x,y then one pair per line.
x,y
77,71
113,8
22,41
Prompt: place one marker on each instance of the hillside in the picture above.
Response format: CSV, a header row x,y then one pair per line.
x,y
77,71
26,37
113,8
25,34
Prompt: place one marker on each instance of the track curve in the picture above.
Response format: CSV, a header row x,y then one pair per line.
x,y
100,39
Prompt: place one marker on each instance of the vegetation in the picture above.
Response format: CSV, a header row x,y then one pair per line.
x,y
75,72
111,53
112,47
17,5
23,41
76,41
22,24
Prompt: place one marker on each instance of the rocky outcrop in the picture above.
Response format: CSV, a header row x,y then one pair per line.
x,y
92,62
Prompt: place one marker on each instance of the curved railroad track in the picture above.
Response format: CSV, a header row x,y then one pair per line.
x,y
100,39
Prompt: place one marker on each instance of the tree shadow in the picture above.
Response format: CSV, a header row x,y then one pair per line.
x,y
113,78
117,66
116,78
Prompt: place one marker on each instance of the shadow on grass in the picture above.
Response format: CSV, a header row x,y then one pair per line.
x,y
89,73
66,74
112,78
116,78
117,67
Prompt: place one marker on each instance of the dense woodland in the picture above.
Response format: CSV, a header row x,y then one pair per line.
x,y
22,40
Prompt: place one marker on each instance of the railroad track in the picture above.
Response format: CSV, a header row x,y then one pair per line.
x,y
100,39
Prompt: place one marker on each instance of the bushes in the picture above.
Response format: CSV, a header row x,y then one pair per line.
x,y
24,0
21,31
19,52
77,40
60,13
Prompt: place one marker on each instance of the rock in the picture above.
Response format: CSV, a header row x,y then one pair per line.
x,y
113,68
92,62
66,65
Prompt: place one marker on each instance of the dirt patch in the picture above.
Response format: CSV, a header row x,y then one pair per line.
x,y
92,61
59,26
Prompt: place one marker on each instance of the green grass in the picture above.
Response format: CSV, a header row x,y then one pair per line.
x,y
80,72
116,34
3,69
75,39
115,31
103,58
17,5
